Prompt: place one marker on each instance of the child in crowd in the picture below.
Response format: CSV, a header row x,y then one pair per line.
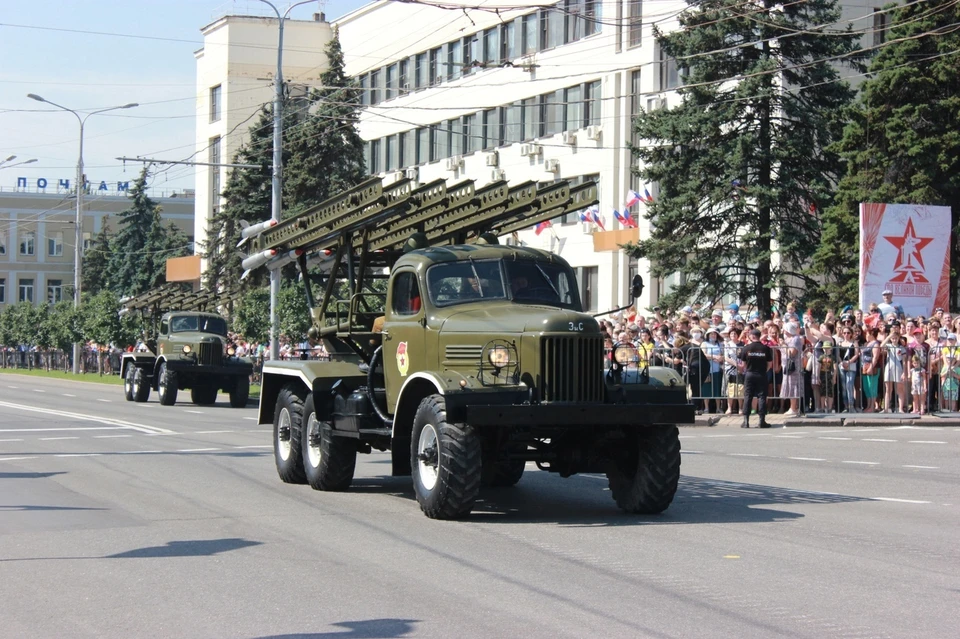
x,y
918,383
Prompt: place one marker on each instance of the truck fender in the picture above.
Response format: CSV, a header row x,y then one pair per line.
x,y
415,388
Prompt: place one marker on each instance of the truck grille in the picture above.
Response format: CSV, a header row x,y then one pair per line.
x,y
211,354
571,369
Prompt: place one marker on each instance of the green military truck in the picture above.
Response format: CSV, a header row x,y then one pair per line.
x,y
190,352
476,361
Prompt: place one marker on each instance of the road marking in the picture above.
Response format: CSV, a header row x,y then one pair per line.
x,y
745,455
807,458
13,387
788,436
90,418
270,446
861,462
59,430
715,436
110,436
141,452
68,395
900,501
210,432
692,452
251,418
259,431
863,430
828,432
879,440
921,467
196,412
923,441
37,390
838,439
79,455
11,440
195,450
104,400
53,439
16,458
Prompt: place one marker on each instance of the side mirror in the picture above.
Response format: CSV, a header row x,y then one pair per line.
x,y
636,289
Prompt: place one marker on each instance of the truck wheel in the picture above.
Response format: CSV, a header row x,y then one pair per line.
x,y
643,480
167,385
286,435
241,392
445,460
204,394
328,461
141,389
128,382
502,473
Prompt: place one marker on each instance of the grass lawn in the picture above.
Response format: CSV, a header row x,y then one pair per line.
x,y
93,378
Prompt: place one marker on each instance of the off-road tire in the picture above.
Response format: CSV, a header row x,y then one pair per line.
x,y
501,473
167,385
287,420
447,479
328,461
128,382
643,480
241,392
204,394
141,388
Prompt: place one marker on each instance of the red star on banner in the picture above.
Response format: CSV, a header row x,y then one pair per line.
x,y
909,265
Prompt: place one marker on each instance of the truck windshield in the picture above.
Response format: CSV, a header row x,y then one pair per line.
x,y
541,283
523,281
195,323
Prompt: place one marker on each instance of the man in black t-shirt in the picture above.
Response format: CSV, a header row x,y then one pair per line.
x,y
757,358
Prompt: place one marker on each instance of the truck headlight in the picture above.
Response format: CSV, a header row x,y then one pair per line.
x,y
186,349
625,354
231,351
498,356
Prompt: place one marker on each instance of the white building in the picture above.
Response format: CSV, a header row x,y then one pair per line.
x,y
235,74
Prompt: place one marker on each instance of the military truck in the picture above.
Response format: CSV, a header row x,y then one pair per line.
x,y
190,351
477,360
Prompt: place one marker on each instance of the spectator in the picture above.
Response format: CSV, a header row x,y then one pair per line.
x,y
934,347
849,356
792,388
887,306
697,366
733,369
894,371
713,351
870,359
950,374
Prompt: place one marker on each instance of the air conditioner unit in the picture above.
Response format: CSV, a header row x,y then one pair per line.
x,y
413,174
396,176
552,165
653,104
530,150
454,163
569,137
493,159
593,132
497,175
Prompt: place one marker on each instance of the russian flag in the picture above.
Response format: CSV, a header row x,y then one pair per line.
x,y
539,228
625,218
647,197
632,198
595,217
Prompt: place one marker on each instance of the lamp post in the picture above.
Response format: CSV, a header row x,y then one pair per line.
x,y
276,182
77,254
4,165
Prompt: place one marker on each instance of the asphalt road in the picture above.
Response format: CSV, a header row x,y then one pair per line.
x,y
137,520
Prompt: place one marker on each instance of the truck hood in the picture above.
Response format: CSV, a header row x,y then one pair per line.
x,y
510,318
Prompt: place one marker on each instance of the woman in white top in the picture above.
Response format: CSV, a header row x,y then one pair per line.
x,y
894,371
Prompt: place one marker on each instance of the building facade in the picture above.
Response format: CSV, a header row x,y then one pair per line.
x,y
235,74
37,239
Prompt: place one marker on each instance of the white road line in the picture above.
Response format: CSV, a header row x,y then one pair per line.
x,y
68,395
59,430
79,455
828,432
195,450
109,401
788,436
16,458
807,458
692,452
922,467
838,439
924,441
53,439
259,431
863,430
861,462
11,440
13,386
716,436
878,440
251,418
196,412
269,446
38,390
745,455
210,432
110,436
900,501
141,452
89,418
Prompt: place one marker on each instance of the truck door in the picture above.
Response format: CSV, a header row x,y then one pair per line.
x,y
403,333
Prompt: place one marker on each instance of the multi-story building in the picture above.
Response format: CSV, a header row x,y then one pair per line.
x,y
37,239
235,72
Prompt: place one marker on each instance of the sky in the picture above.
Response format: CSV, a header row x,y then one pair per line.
x,y
93,54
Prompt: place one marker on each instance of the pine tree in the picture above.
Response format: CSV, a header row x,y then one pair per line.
x,y
96,259
902,143
744,159
128,271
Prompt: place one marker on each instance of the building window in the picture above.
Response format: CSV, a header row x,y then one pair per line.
x,y
529,37
592,16
408,148
880,24
508,43
635,20
393,153
511,124
434,71
669,77
215,104
588,279
454,60
26,290
375,87
456,137
471,133
215,171
3,243
573,108
28,243
551,28
552,113
364,90
403,80
531,118
420,71
491,45
54,291
390,75
491,128
468,59
374,161
439,137
591,104
423,145
3,290
636,104
55,244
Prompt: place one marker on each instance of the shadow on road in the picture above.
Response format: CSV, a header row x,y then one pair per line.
x,y
31,475
192,548
367,629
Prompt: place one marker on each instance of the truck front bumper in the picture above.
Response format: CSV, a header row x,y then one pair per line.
x,y
574,415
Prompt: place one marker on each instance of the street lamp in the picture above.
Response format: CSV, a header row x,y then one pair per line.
x,y
77,258
4,165
276,176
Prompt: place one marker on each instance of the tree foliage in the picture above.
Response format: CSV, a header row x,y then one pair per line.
x,y
745,157
96,261
901,143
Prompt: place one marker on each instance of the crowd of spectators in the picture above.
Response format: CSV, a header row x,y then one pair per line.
x,y
873,360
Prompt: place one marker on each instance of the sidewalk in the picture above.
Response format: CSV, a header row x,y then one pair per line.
x,y
778,420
